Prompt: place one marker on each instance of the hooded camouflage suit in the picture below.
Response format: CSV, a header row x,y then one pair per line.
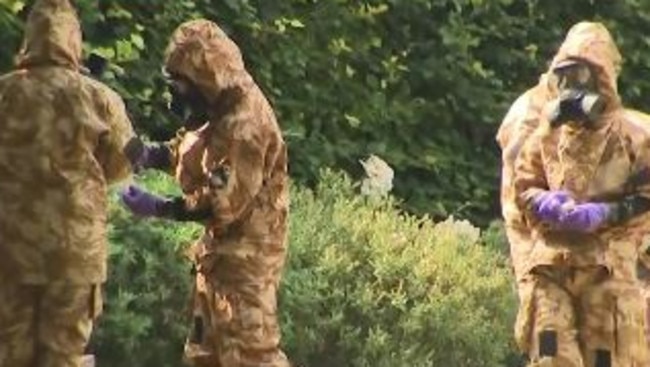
x,y
235,166
584,306
61,142
521,121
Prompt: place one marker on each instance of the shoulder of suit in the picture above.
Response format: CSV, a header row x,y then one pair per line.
x,y
101,89
514,116
635,127
635,123
636,119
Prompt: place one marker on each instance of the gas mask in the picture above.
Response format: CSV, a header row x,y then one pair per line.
x,y
187,103
578,101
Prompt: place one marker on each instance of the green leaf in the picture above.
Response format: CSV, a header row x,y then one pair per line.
x,y
137,41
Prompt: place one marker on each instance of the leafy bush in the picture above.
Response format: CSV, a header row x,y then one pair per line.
x,y
365,286
494,237
369,286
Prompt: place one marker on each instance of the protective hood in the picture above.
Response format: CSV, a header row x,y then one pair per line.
x,y
52,36
592,43
201,52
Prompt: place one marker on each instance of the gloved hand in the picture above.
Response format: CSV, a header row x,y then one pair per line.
x,y
586,217
142,203
547,205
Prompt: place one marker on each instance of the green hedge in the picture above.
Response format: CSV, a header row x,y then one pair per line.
x,y
365,286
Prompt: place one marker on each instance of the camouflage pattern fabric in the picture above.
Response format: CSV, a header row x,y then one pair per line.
x,y
236,164
234,325
62,136
582,317
61,141
592,165
46,325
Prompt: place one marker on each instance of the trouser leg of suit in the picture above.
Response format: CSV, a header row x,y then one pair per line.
x,y
546,325
234,326
582,318
46,325
613,327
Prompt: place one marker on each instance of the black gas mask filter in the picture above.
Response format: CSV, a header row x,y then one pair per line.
x,y
186,102
578,100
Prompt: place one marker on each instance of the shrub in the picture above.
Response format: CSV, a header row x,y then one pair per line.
x,y
365,285
370,286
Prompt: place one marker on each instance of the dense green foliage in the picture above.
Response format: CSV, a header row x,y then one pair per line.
x,y
421,83
372,287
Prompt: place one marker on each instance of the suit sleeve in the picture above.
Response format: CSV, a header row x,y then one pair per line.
x,y
529,177
110,151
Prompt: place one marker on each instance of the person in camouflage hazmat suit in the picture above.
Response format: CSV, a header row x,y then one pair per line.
x,y
230,161
521,120
582,182
62,137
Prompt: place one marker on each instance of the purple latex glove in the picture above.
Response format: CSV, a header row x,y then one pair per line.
x,y
586,217
548,205
142,203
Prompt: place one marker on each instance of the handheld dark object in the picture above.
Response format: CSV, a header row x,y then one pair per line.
x,y
134,150
96,65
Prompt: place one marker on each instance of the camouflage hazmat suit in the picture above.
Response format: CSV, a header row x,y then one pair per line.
x,y
232,169
62,136
521,120
584,306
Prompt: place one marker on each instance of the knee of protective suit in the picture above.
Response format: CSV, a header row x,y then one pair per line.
x,y
550,353
253,337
